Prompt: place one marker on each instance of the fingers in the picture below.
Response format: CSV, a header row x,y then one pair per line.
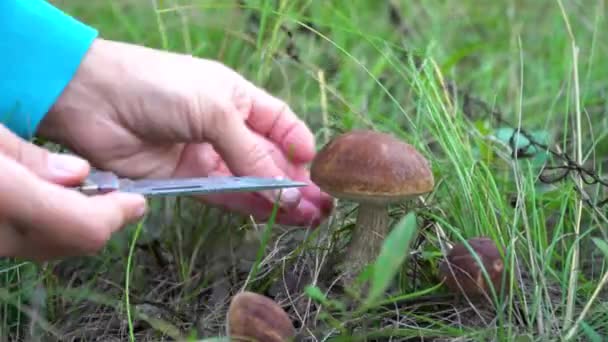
x,y
246,153
41,220
323,201
202,160
274,119
305,214
57,168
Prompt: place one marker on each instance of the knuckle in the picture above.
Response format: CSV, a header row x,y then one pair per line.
x,y
253,154
257,153
242,99
22,151
217,121
191,110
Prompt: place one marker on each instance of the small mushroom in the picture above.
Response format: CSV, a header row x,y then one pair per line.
x,y
373,169
256,318
463,275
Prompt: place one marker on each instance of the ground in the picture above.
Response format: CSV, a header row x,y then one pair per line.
x,y
499,96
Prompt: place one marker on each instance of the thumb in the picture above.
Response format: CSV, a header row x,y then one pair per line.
x,y
40,220
54,167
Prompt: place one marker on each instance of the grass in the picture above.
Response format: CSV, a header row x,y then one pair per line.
x,y
456,79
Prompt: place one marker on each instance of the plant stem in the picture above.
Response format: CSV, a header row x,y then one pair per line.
x,y
367,238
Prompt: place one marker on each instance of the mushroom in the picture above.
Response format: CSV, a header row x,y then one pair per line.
x,y
256,318
373,169
463,275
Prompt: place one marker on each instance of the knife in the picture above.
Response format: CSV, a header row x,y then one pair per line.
x,y
100,182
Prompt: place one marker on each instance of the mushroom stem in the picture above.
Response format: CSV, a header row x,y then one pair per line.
x,y
367,238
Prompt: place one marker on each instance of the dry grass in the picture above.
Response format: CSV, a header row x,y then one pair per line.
x,y
355,68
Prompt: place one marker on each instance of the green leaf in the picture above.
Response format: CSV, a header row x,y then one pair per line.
x,y
316,294
481,149
408,296
394,251
592,335
602,245
521,142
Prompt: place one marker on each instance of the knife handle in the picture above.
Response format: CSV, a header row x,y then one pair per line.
x,y
99,182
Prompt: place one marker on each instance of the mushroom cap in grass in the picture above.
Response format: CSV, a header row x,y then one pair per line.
x,y
254,317
370,166
464,274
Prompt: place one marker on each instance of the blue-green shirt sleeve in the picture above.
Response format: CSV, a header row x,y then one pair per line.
x,y
41,48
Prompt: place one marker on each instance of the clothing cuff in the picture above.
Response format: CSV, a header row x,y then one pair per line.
x,y
41,49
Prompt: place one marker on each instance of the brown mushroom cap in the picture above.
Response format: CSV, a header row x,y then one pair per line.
x,y
466,274
253,317
369,166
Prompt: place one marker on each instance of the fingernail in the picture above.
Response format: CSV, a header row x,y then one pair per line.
x,y
65,165
140,211
290,197
287,198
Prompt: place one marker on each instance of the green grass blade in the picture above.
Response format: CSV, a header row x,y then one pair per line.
x,y
602,245
591,334
395,250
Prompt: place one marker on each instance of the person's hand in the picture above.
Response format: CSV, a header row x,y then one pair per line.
x,y
145,113
39,218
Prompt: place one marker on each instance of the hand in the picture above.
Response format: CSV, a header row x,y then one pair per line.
x,y
146,113
39,218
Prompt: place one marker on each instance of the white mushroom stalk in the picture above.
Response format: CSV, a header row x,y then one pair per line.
x,y
371,228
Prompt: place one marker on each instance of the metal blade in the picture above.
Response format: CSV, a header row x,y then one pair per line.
x,y
203,185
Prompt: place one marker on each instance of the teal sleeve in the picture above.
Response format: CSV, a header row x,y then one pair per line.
x,y
41,49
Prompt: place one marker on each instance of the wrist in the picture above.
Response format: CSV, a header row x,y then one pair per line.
x,y
84,96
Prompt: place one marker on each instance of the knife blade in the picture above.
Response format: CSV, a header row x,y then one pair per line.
x,y
102,182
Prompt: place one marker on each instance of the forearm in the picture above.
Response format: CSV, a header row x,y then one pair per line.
x,y
41,49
